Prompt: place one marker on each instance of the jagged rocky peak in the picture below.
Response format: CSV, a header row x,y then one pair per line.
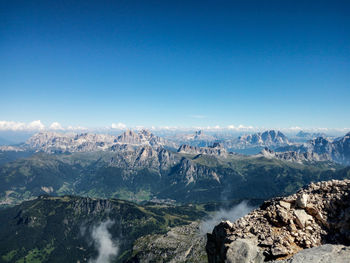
x,y
338,150
215,149
185,148
139,138
131,157
293,156
69,142
321,144
273,136
267,138
281,227
190,172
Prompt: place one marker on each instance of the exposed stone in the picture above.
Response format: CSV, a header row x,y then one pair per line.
x,y
313,216
322,254
285,205
302,218
302,200
244,251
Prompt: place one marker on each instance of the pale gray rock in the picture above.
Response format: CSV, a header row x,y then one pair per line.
x,y
322,254
270,138
244,251
215,149
54,142
302,200
302,218
293,156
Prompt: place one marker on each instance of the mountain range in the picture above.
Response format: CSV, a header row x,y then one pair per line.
x,y
337,150
141,172
61,193
141,166
50,142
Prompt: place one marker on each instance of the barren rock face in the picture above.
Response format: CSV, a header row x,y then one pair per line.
x,y
283,226
322,254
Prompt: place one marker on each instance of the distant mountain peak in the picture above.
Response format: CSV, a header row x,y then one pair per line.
x,y
215,149
293,156
266,138
141,137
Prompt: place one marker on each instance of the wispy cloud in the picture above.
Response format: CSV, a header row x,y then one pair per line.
x,y
106,247
232,215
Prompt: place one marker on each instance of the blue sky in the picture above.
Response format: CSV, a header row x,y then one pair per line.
x,y
176,63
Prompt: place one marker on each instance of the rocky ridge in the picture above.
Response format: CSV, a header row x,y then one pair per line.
x,y
294,156
338,150
281,227
53,142
323,254
143,137
266,138
215,149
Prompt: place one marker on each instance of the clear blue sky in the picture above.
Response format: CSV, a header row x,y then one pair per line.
x,y
177,63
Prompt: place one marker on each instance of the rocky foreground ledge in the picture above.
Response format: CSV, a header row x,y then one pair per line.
x,y
282,227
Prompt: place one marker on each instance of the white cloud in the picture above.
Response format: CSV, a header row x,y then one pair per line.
x,y
232,214
36,125
11,125
107,248
21,126
119,125
55,126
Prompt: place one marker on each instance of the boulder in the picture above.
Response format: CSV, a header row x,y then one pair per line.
x,y
302,200
244,251
302,218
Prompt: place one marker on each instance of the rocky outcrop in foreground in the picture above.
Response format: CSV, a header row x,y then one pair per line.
x,y
282,227
322,254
